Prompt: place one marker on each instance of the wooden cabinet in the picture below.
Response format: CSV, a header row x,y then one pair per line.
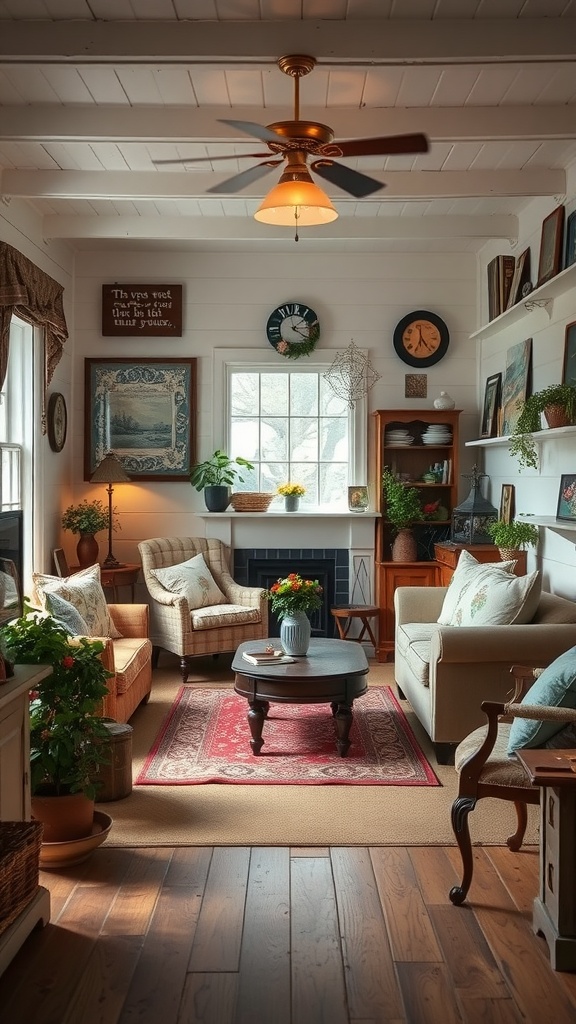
x,y
408,448
390,575
447,556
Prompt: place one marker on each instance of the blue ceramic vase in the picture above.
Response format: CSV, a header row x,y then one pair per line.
x,y
295,632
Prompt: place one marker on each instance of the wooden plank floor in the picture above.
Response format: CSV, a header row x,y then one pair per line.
x,y
274,935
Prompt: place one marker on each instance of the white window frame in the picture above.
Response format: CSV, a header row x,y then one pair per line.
x,y
227,360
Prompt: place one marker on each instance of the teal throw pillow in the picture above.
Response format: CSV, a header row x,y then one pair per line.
x,y
555,687
66,615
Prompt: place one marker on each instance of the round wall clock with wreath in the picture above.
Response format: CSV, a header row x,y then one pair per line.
x,y
293,329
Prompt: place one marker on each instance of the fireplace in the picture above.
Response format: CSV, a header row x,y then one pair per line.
x,y
261,567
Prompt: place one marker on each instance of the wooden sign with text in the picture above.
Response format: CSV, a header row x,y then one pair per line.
x,y
142,310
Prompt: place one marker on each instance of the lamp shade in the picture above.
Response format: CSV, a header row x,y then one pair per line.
x,y
296,198
110,471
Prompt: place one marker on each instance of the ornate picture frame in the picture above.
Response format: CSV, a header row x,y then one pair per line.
x,y
145,411
550,258
570,247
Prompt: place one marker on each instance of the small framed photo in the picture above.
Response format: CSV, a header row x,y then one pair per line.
x,y
550,259
567,498
569,368
144,410
570,248
490,409
507,510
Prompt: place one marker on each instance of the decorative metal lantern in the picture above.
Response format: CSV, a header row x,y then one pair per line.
x,y
471,517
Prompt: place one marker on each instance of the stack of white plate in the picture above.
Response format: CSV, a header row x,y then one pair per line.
x,y
437,433
398,438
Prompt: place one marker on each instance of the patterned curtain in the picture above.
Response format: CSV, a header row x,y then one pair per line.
x,y
37,299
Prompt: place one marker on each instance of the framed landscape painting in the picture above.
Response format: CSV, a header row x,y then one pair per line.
x,y
516,383
144,410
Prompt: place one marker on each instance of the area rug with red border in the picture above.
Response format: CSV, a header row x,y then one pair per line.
x,y
205,738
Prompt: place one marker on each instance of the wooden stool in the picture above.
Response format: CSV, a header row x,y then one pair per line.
x,y
345,617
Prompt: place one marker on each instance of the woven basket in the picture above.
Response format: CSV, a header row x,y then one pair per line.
x,y
19,867
251,501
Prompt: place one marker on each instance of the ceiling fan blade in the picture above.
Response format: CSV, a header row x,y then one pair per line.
x,y
239,181
386,146
351,181
207,159
259,131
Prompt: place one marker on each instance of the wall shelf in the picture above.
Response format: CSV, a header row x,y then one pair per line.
x,y
550,522
542,298
541,437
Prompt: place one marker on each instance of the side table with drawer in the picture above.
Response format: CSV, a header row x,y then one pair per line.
x,y
447,555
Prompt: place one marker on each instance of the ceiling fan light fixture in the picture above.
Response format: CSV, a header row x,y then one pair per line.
x,y
296,200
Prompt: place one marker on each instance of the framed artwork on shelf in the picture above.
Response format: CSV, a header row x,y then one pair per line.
x,y
519,278
144,410
507,510
516,383
489,421
567,498
570,248
550,258
569,367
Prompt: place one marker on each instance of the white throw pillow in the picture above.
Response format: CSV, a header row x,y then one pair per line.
x,y
193,580
465,573
488,595
83,590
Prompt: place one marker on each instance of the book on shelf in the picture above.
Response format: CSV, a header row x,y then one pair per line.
x,y
500,273
276,657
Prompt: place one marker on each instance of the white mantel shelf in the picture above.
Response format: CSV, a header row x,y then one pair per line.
x,y
288,515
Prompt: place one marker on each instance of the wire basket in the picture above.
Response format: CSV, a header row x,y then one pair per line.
x,y
20,843
251,501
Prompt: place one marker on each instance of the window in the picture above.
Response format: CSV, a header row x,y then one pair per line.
x,y
291,425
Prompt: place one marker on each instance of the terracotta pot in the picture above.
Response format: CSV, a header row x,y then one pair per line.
x,y
556,416
87,550
64,817
404,548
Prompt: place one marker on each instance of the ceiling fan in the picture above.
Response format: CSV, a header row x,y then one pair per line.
x,y
296,141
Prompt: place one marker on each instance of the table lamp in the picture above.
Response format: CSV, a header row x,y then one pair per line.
x,y
110,471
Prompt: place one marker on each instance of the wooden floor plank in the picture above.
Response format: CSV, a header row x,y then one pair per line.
x,y
522,956
428,994
519,872
435,873
264,982
208,999
318,990
490,1011
467,954
370,977
218,936
409,928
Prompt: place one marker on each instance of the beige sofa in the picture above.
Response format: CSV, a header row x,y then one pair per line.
x,y
447,671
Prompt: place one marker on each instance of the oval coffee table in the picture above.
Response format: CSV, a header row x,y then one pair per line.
x,y
333,672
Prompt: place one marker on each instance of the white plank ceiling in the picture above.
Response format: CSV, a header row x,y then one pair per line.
x,y
93,92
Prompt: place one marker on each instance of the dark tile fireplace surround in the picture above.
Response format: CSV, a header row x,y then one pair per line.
x,y
261,567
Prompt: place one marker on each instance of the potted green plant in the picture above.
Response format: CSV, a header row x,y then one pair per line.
x,y
67,735
402,510
87,518
291,493
512,537
558,404
215,477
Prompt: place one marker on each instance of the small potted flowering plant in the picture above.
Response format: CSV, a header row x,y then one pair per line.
x,y
291,493
291,599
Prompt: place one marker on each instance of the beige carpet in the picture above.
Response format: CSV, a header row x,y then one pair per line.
x,y
221,815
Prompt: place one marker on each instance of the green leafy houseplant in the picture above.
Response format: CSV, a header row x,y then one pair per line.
x,y
66,733
217,471
522,445
87,517
514,535
294,594
402,503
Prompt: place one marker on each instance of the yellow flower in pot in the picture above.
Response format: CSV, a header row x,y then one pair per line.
x,y
291,493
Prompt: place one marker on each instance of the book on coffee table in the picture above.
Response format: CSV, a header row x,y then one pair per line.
x,y
267,657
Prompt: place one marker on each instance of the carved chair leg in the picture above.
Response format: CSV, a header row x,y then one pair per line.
x,y
514,842
184,670
460,810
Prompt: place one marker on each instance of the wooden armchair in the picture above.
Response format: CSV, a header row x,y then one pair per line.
x,y
485,769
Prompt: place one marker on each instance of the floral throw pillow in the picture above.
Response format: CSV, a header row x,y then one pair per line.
x,y
84,591
193,580
468,571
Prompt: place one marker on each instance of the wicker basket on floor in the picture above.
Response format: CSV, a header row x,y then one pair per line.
x,y
250,501
20,843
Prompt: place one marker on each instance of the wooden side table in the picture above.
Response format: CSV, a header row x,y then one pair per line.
x,y
447,555
345,616
554,914
113,579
